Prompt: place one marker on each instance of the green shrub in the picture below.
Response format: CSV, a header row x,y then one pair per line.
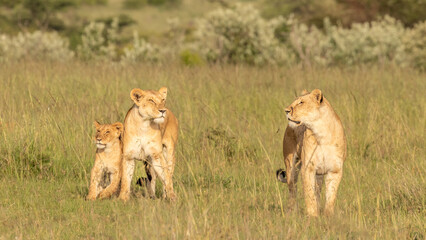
x,y
6,25
191,58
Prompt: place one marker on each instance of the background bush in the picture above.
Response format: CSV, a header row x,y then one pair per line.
x,y
415,45
238,34
34,46
141,51
99,41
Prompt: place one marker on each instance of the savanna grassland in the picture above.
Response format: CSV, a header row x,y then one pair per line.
x,y
231,127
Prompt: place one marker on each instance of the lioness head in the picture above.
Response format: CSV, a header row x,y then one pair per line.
x,y
305,108
151,103
106,134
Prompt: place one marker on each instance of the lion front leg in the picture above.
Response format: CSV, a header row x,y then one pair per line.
x,y
332,181
113,187
126,178
318,186
94,187
310,192
309,158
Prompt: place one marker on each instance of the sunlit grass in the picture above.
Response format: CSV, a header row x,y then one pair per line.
x,y
231,128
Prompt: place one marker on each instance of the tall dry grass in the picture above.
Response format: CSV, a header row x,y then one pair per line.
x,y
231,128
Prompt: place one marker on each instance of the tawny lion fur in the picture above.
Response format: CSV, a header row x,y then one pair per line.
x,y
314,142
150,134
106,173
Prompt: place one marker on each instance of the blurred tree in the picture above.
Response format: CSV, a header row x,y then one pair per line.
x,y
346,12
9,3
407,11
307,11
40,14
162,2
36,13
134,4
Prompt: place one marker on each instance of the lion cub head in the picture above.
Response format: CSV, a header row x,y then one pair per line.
x,y
107,134
305,109
151,103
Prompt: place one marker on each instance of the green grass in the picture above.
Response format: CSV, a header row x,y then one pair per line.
x,y
230,144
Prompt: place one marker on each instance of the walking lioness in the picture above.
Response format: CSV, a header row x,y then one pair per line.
x,y
314,142
150,134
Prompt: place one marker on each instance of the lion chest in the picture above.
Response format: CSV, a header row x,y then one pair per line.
x,y
327,159
141,147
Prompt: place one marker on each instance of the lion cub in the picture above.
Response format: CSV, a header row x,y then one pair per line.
x,y
106,173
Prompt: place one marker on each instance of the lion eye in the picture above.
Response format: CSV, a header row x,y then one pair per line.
x,y
151,100
107,132
300,103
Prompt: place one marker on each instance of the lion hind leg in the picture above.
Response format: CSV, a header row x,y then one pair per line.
x,y
161,169
150,180
169,156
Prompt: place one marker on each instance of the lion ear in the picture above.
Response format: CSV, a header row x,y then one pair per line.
x,y
318,95
163,92
97,124
304,92
119,126
136,95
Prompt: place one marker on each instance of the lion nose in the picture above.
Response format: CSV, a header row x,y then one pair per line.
x,y
98,139
287,110
162,110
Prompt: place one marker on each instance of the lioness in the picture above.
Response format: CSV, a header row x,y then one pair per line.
x,y
106,173
315,142
150,134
